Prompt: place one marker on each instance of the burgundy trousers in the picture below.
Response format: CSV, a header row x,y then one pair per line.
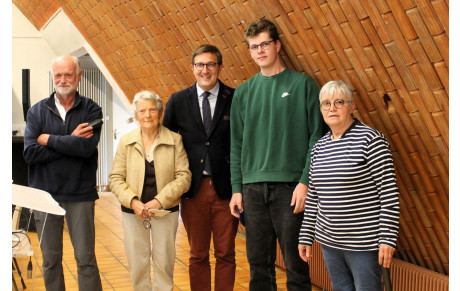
x,y
203,215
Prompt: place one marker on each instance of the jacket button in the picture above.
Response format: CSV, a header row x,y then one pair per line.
x,y
201,161
207,143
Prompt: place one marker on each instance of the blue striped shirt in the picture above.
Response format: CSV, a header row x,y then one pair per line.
x,y
352,201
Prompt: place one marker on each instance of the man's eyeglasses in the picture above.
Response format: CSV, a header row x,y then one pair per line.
x,y
209,66
339,103
265,45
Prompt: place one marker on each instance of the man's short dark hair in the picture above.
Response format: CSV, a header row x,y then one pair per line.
x,y
259,26
207,48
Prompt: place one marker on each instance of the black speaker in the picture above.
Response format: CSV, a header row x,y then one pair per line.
x,y
20,177
25,92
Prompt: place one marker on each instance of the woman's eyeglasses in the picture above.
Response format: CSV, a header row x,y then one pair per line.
x,y
147,224
339,103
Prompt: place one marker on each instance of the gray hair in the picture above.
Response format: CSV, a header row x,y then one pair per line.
x,y
332,87
147,95
74,59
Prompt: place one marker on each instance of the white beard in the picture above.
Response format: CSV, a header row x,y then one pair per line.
x,y
65,91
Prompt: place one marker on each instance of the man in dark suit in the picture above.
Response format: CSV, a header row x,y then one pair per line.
x,y
201,114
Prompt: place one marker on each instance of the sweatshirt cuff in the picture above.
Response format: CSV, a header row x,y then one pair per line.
x,y
236,188
52,139
304,179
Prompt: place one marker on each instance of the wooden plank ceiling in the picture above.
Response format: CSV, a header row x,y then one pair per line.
x,y
394,53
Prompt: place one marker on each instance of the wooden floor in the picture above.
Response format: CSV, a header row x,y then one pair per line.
x,y
112,261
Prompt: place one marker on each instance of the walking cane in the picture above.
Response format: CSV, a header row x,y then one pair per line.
x,y
387,279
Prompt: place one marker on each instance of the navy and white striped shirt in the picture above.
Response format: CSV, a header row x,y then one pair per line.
x,y
352,201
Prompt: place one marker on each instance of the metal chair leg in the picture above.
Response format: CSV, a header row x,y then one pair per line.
x,y
14,283
19,272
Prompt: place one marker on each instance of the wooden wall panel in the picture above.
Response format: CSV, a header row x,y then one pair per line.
x,y
38,12
394,53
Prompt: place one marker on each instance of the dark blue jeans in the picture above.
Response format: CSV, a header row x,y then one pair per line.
x,y
268,216
352,270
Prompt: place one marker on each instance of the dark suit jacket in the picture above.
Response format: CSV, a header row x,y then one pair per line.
x,y
182,115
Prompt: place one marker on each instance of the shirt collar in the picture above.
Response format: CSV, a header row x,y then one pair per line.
x,y
59,107
214,91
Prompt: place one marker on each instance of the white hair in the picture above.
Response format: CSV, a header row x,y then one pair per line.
x,y
74,59
147,95
332,87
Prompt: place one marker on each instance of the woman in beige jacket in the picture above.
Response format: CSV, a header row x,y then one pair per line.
x,y
150,173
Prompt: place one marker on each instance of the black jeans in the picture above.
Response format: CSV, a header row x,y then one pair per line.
x,y
268,216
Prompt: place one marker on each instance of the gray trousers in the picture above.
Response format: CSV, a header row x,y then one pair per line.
x,y
80,222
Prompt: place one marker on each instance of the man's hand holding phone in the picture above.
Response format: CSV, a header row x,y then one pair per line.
x,y
85,129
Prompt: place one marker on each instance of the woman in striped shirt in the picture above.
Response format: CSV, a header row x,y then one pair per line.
x,y
352,207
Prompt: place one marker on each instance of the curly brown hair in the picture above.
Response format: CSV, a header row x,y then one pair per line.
x,y
259,26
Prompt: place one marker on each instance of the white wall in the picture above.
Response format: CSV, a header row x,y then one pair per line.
x,y
120,121
29,51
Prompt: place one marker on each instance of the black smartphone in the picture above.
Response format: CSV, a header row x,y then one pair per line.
x,y
240,215
95,123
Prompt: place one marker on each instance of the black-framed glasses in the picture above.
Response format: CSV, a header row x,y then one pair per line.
x,y
338,103
265,45
210,66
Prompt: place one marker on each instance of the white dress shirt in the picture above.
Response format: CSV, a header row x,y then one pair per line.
x,y
212,98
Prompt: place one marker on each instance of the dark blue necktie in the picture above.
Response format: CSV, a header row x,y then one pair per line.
x,y
207,120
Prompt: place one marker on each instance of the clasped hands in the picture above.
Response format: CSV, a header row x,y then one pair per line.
x,y
142,210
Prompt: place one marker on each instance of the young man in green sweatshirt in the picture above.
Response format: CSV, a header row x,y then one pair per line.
x,y
275,121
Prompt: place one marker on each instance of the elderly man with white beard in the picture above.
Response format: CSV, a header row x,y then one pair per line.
x,y
61,150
